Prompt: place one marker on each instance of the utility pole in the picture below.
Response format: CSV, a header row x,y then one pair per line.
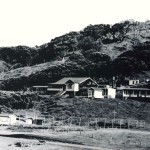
x,y
114,112
148,115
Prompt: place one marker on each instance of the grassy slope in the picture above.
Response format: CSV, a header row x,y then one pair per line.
x,y
78,107
27,71
82,107
123,38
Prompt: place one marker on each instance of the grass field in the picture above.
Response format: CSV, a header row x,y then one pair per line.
x,y
116,139
7,143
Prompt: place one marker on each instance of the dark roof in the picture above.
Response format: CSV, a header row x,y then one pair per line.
x,y
6,115
73,79
135,89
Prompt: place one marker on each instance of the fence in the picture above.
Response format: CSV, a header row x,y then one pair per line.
x,y
49,121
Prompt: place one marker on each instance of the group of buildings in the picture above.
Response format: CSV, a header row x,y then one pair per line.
x,y
12,119
75,86
87,87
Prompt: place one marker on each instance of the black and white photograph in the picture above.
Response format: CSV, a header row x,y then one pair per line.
x,y
74,75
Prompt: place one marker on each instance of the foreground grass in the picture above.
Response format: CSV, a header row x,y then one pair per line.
x,y
121,139
7,143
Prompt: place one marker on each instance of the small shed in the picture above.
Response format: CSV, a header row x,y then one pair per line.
x,y
38,121
29,121
95,92
7,119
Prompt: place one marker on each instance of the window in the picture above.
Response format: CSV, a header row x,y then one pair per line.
x,y
143,92
89,83
124,91
69,86
130,92
105,92
136,92
148,92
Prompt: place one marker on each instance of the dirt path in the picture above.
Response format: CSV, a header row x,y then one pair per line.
x,y
8,143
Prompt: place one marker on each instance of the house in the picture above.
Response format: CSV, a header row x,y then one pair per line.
x,y
82,87
8,119
135,93
29,121
73,86
128,81
38,121
77,86
132,82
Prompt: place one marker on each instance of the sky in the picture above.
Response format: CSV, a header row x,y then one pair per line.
x,y
35,22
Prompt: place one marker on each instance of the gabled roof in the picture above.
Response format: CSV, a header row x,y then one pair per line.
x,y
73,79
135,89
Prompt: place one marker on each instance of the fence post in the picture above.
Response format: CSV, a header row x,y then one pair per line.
x,y
120,123
128,124
137,123
112,124
144,124
104,123
96,124
70,120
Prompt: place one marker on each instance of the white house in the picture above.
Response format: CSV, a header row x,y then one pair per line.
x,y
29,121
8,119
133,82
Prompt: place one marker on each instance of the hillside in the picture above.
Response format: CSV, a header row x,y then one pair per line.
x,y
84,107
98,51
21,102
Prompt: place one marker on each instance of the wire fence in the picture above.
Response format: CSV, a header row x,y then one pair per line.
x,y
50,122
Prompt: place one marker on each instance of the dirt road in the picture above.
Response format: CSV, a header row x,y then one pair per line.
x,y
7,143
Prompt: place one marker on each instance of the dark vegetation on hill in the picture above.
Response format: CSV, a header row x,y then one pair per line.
x,y
77,107
83,107
98,51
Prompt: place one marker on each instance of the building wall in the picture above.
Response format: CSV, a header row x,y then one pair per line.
x,y
5,120
12,119
88,83
111,93
133,82
98,94
29,121
74,87
136,93
8,120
